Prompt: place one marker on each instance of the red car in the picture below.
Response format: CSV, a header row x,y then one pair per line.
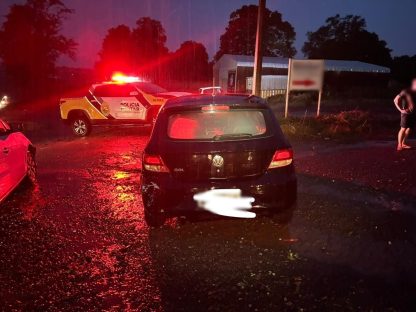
x,y
17,160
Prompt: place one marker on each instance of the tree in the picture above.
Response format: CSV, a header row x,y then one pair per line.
x,y
347,38
118,52
240,34
30,42
150,40
141,50
190,63
403,69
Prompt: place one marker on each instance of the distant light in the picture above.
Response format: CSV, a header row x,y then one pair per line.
x,y
121,78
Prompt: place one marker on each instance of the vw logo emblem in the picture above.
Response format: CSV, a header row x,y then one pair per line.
x,y
218,161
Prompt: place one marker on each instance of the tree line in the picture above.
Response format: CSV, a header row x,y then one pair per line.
x,y
31,43
142,50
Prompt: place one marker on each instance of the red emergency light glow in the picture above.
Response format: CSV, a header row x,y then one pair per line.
x,y
121,78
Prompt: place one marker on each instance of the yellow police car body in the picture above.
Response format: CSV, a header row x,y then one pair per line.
x,y
115,103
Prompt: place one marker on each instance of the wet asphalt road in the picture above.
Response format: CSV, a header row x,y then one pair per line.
x,y
77,241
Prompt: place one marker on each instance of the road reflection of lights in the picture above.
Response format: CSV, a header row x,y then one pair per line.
x,y
119,175
126,157
124,194
289,240
120,192
34,202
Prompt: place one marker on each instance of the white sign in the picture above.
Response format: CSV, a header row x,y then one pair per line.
x,y
306,75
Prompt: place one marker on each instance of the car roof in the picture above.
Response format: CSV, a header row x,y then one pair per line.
x,y
197,100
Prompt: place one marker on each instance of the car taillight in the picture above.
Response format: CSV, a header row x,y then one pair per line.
x,y
154,163
281,158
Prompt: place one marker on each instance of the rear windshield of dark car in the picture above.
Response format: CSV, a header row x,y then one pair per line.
x,y
217,125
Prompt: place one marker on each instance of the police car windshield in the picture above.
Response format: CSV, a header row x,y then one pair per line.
x,y
149,88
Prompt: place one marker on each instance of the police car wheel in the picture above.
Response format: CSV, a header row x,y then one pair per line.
x,y
80,126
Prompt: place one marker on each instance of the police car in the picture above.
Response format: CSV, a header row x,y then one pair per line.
x,y
124,100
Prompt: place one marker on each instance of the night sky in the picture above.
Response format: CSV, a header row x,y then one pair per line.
x,y
205,20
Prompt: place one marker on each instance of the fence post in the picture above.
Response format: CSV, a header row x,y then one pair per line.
x,y
289,70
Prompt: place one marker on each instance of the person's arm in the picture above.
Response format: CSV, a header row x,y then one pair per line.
x,y
397,102
411,105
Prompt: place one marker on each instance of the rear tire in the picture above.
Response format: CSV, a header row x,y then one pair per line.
x,y
154,219
80,126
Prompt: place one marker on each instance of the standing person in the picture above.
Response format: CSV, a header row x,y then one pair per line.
x,y
405,103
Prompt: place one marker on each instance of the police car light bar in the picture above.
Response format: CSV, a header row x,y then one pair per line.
x,y
120,78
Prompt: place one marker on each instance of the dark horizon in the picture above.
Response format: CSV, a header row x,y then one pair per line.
x,y
206,21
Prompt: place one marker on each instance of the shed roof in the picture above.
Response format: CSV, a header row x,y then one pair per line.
x,y
330,65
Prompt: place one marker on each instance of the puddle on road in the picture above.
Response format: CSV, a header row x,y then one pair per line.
x,y
120,194
120,175
125,194
34,203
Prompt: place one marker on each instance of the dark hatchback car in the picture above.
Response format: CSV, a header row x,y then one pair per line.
x,y
205,142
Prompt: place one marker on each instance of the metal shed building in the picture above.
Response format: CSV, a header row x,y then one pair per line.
x,y
234,73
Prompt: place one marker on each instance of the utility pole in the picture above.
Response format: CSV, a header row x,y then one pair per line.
x,y
258,56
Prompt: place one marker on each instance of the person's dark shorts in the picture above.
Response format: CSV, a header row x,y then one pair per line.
x,y
408,121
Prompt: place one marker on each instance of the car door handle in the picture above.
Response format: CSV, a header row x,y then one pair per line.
x,y
5,150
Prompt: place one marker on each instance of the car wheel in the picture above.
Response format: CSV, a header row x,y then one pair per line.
x,y
80,126
31,168
154,219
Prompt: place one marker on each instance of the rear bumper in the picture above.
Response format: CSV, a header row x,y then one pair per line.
x,y
275,190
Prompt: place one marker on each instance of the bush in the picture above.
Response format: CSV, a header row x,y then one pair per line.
x,y
296,99
348,124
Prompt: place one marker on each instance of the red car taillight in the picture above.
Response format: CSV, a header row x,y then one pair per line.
x,y
154,163
281,158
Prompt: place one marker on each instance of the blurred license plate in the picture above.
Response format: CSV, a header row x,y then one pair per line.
x,y
225,202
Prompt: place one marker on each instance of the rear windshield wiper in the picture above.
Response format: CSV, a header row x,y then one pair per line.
x,y
232,136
